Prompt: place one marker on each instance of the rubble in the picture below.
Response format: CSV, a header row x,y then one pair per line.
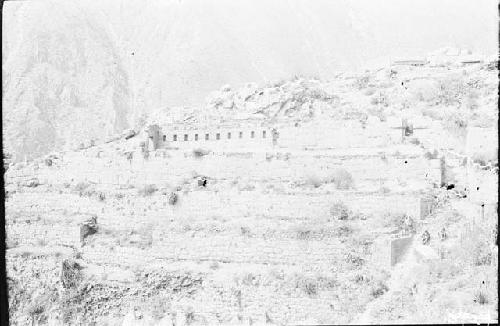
x,y
129,134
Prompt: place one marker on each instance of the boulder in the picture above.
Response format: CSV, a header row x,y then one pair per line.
x,y
129,134
88,227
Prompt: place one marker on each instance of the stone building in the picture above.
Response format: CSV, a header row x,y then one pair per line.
x,y
223,135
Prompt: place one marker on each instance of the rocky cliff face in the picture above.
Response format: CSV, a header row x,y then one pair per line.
x,y
64,82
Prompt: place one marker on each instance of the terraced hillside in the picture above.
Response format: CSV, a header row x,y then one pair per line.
x,y
296,233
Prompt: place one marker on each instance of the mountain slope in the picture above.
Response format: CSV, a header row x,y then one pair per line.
x,y
58,77
107,63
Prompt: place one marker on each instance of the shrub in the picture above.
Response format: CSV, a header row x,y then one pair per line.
x,y
33,183
89,192
354,260
310,288
101,196
379,113
456,124
245,231
403,223
314,181
304,234
362,82
326,282
202,182
41,242
480,297
10,243
359,278
277,274
369,91
426,237
148,190
71,274
386,84
250,279
172,198
432,113
385,190
450,90
471,102
158,307
374,100
306,284
485,156
431,156
81,186
339,211
39,307
379,289
36,307
268,319
414,141
344,231
482,255
88,227
199,152
475,247
342,179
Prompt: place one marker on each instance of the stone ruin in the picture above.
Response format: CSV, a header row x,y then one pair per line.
x,y
154,136
158,137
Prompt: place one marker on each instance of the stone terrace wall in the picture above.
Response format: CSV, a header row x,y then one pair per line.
x,y
338,134
285,213
369,171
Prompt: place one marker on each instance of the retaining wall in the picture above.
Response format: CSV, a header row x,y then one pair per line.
x,y
399,247
367,170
